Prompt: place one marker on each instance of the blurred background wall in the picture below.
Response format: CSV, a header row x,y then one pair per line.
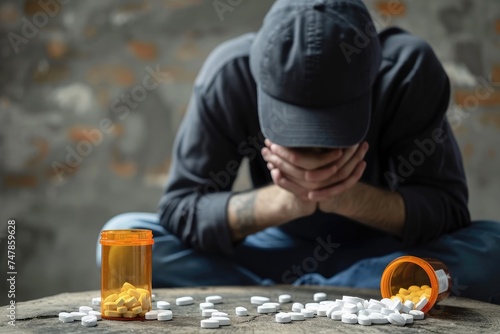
x,y
92,92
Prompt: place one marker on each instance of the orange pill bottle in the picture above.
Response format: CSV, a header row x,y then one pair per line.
x,y
407,271
126,273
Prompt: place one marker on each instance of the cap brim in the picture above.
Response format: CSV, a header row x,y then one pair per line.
x,y
295,126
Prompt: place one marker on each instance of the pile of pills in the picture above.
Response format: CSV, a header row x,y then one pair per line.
x,y
85,314
131,302
414,293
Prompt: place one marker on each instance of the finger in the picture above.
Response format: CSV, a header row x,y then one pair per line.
x,y
305,160
286,184
270,166
349,167
339,188
287,168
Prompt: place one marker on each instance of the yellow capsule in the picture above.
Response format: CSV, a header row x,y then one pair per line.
x,y
120,301
110,313
124,294
403,292
111,306
134,293
129,314
121,309
420,293
137,309
408,297
130,302
414,288
110,298
415,300
425,286
127,286
413,295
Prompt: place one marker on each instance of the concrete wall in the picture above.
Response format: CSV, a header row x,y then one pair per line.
x,y
86,130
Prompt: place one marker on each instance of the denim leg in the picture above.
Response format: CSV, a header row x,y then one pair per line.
x,y
176,265
471,254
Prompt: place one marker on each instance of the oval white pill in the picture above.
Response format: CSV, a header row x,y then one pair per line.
x,y
208,312
322,310
396,304
296,316
209,323
319,296
409,304
259,300
387,302
66,317
96,314
89,321
219,314
307,313
364,320
276,305
417,314
404,309
408,318
78,315
378,318
340,302
396,319
213,299
182,301
312,306
351,299
163,305
206,306
363,312
349,318
326,302
266,309
164,315
337,315
421,303
96,301
386,311
223,321
285,298
85,309
296,307
241,311
283,318
349,308
151,315
333,307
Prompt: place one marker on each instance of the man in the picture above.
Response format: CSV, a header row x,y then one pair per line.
x,y
351,158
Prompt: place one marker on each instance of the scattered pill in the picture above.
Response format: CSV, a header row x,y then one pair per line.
x,y
333,307
408,318
259,300
349,318
208,312
66,317
363,312
386,311
163,305
396,305
96,314
421,304
223,321
213,299
266,309
340,302
354,300
78,315
219,314
241,311
96,301
164,315
205,306
337,315
296,307
319,296
151,315
322,310
276,305
209,323
350,308
89,321
404,309
285,298
396,319
296,316
417,315
182,301
283,318
364,320
378,318
307,313
85,309
409,304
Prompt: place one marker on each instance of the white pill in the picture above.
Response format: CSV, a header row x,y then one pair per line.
x,y
66,317
209,323
283,318
85,309
276,305
208,312
296,307
223,321
350,308
387,302
153,297
151,315
285,298
337,315
307,313
349,318
375,305
182,301
363,312
312,306
333,307
319,296
378,318
417,315
404,309
296,316
214,299
421,303
409,304
96,301
219,314
164,315
78,315
259,300
96,314
241,311
396,319
322,310
89,321
408,318
365,303
340,302
326,302
360,306
396,304
206,306
354,300
163,305
266,309
386,311
364,320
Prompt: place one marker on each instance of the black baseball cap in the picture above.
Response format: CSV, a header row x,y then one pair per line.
x,y
315,62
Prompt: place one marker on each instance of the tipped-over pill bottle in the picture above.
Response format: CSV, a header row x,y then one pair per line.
x,y
413,278
126,274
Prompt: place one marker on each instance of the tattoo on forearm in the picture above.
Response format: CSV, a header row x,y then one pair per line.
x,y
244,209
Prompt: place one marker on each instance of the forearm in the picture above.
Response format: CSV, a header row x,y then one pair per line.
x,y
259,209
375,207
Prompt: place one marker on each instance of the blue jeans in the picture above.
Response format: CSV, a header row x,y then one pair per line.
x,y
471,254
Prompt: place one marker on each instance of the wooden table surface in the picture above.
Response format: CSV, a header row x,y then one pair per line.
x,y
454,315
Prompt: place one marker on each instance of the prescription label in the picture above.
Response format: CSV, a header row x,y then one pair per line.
x,y
442,280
